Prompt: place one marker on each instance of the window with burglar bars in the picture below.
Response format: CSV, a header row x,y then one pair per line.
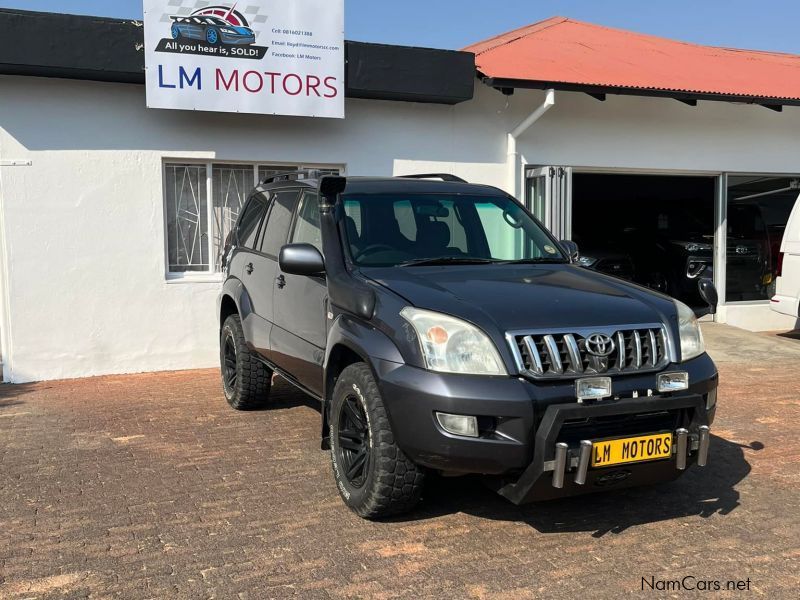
x,y
202,203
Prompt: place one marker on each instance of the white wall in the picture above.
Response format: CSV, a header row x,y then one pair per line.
x,y
83,233
659,134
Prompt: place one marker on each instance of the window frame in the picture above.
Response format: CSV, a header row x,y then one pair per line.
x,y
211,274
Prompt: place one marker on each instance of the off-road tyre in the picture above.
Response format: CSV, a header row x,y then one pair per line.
x,y
246,381
390,483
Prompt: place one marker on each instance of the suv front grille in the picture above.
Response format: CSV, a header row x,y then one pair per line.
x,y
634,349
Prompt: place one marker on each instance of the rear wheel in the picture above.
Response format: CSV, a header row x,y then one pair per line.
x,y
375,478
176,32
246,381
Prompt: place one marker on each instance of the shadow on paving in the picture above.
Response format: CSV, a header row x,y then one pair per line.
x,y
9,393
700,492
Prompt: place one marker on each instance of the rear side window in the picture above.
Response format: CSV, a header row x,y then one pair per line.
x,y
251,217
306,227
277,226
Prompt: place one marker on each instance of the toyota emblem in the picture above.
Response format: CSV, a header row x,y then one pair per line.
x,y
599,344
742,250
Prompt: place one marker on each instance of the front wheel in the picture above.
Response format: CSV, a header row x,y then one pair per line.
x,y
375,478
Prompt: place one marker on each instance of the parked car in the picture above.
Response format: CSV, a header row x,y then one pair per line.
x,y
787,289
443,329
609,261
212,30
670,250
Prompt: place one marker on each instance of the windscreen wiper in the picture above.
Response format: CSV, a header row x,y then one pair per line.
x,y
448,260
534,261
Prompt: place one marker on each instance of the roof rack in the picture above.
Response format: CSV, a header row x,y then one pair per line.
x,y
442,176
297,175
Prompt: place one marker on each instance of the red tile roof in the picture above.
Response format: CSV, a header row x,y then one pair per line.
x,y
562,50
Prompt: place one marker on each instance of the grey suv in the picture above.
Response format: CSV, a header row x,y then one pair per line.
x,y
443,329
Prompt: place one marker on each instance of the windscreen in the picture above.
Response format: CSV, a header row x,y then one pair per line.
x,y
389,230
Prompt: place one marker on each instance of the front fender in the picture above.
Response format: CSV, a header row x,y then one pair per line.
x,y
367,342
235,289
347,337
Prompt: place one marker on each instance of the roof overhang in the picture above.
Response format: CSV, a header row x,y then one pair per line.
x,y
507,86
100,49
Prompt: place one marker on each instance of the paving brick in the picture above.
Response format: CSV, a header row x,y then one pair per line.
x,y
149,486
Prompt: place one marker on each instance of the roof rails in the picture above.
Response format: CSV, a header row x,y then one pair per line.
x,y
299,174
442,176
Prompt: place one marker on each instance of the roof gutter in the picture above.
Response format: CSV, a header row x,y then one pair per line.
x,y
514,160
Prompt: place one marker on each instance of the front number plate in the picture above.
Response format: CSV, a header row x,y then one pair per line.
x,y
629,450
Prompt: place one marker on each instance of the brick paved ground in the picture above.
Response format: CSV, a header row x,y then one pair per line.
x,y
148,486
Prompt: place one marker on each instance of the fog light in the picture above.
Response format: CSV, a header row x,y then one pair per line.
x,y
458,424
593,388
711,399
673,382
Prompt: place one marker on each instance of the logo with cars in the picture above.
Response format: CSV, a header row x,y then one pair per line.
x,y
219,30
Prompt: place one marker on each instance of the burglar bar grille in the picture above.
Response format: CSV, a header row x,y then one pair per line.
x,y
563,355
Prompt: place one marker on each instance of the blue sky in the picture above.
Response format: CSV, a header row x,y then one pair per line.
x,y
759,24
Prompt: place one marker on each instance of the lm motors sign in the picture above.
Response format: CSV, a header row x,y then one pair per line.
x,y
253,56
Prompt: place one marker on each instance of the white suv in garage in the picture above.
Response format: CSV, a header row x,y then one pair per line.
x,y
787,294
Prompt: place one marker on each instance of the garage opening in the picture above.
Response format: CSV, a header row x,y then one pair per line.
x,y
655,230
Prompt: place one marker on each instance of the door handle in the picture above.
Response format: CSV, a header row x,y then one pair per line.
x,y
249,268
281,281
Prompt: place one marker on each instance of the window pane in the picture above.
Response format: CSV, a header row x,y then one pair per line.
x,y
353,211
758,210
251,218
503,243
306,229
187,218
404,214
230,186
277,226
400,229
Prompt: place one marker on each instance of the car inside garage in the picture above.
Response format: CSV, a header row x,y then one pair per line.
x,y
758,210
656,230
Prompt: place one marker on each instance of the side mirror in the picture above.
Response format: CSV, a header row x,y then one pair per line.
x,y
571,248
708,292
301,259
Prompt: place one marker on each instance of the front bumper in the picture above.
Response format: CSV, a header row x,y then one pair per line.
x,y
560,464
525,420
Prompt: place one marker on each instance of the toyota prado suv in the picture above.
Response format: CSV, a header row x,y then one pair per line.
x,y
443,329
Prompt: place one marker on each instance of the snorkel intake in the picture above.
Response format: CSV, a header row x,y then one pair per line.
x,y
344,290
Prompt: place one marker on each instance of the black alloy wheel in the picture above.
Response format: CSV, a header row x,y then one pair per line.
x,y
246,380
229,363
354,447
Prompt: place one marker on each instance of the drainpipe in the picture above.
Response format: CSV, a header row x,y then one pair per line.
x,y
514,162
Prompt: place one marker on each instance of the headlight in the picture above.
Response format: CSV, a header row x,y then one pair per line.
x,y
692,343
586,261
223,30
451,345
